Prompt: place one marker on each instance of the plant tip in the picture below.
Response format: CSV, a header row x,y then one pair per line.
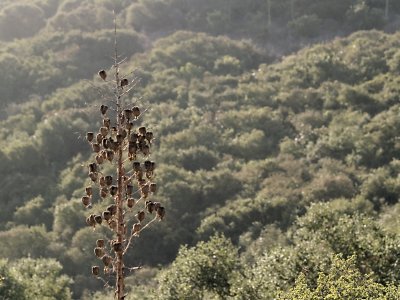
x,y
103,74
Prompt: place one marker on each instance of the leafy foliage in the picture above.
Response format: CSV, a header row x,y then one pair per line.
x,y
293,156
29,278
41,279
10,288
205,268
343,281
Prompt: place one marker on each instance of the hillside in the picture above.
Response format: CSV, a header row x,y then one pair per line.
x,y
289,164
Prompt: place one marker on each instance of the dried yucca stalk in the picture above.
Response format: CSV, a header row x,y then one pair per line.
x,y
126,146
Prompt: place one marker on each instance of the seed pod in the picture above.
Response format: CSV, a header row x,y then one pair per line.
x,y
110,155
105,143
99,159
147,165
130,202
129,189
93,176
128,114
103,131
89,136
136,229
85,201
106,215
152,166
103,109
124,82
150,206
153,187
133,137
129,126
140,146
93,167
112,224
118,247
103,74
156,205
141,141
113,145
123,133
99,252
98,219
112,209
102,181
149,136
107,260
89,190
145,191
142,130
140,216
103,192
100,243
107,123
113,190
108,180
160,212
136,166
90,221
136,111
146,150
103,154
132,148
120,139
99,138
95,270
96,148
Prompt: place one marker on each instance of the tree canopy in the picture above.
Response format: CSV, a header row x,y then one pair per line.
x,y
277,159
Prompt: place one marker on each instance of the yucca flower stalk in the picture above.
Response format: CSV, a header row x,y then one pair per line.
x,y
123,143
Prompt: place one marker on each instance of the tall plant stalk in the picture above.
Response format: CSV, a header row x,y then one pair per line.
x,y
123,146
120,217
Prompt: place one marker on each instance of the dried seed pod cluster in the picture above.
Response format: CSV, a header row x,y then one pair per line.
x,y
126,146
110,139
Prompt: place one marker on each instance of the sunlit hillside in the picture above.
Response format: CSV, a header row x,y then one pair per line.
x,y
277,149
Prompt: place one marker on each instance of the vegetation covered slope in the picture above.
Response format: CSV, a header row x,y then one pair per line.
x,y
294,160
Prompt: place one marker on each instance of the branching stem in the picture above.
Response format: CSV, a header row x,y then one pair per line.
x,y
136,234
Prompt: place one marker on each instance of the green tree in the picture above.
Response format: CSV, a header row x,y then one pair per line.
x,y
34,212
67,219
22,241
20,20
42,279
342,281
10,287
347,233
207,267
